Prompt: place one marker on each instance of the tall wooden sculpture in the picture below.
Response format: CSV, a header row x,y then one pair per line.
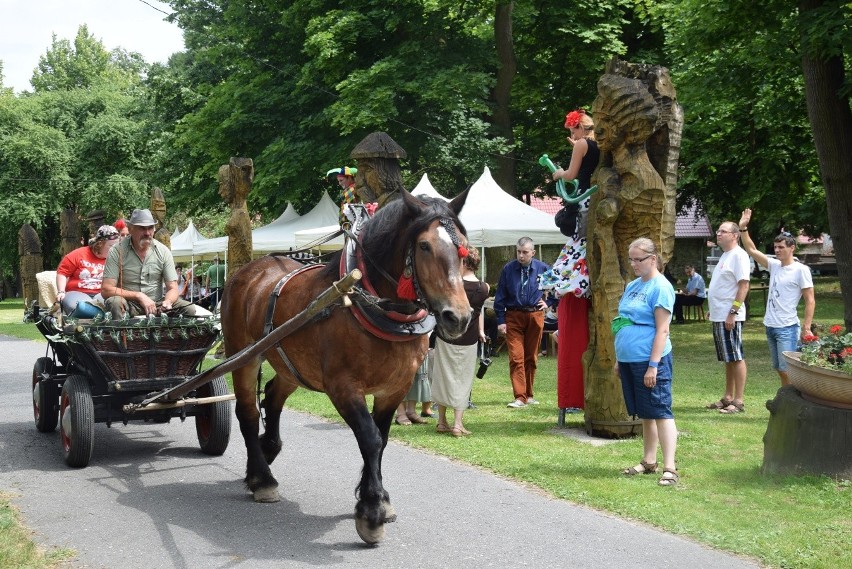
x,y
95,218
158,210
69,231
379,178
31,263
235,180
638,125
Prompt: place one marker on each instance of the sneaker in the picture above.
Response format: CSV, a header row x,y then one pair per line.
x,y
532,401
516,404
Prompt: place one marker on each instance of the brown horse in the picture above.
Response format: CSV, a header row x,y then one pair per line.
x,y
349,353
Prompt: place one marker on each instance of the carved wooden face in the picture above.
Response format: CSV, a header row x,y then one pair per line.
x,y
367,182
605,133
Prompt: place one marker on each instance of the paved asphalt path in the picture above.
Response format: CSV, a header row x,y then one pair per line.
x,y
150,498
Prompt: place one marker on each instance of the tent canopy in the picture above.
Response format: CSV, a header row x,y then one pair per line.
x,y
281,236
183,242
278,235
493,218
425,188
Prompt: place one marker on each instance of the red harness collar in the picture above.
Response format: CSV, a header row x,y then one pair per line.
x,y
399,328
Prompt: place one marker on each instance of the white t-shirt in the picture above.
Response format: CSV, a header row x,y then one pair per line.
x,y
785,291
732,268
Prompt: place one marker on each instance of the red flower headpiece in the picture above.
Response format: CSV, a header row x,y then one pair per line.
x,y
572,119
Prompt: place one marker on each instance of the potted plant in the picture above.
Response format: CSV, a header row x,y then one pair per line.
x,y
822,371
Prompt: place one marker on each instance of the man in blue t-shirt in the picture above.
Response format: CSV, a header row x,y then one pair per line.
x,y
693,295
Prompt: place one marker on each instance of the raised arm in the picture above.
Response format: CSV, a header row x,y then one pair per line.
x,y
748,244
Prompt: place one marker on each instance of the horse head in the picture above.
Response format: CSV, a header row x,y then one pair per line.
x,y
420,240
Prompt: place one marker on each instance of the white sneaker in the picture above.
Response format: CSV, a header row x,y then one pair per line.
x,y
516,404
532,401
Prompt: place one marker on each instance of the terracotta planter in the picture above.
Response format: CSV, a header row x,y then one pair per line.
x,y
818,384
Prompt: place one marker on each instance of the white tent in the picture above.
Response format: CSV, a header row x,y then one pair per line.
x,y
493,218
182,243
425,188
280,236
218,246
309,236
209,248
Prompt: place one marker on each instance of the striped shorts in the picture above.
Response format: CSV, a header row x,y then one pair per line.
x,y
729,344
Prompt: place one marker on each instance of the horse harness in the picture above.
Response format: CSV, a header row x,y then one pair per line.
x,y
383,318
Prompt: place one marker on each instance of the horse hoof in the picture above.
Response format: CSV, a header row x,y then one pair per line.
x,y
370,536
267,495
390,512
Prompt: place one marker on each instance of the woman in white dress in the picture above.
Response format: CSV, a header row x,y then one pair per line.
x,y
455,361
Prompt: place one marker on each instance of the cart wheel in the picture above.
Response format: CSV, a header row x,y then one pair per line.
x,y
77,421
45,397
213,423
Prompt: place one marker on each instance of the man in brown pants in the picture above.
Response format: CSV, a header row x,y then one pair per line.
x,y
520,317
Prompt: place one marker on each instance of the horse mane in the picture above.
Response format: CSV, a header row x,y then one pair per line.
x,y
396,223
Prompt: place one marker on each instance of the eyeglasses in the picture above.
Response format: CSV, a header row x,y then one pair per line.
x,y
632,260
723,231
786,234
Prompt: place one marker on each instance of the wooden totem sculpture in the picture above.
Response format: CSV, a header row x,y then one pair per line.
x,y
235,180
69,231
95,218
31,263
638,125
158,210
379,178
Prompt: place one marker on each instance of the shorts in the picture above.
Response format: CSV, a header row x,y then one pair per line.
x,y
729,344
785,339
642,402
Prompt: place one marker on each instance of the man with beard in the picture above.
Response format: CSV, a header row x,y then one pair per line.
x,y
139,276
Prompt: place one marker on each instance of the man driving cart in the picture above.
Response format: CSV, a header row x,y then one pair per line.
x,y
140,277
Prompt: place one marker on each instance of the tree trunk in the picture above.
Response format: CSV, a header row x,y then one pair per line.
x,y
505,174
806,438
831,124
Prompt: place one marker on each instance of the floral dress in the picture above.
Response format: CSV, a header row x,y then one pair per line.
x,y
570,273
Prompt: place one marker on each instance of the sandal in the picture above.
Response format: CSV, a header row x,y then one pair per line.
x,y
457,432
733,408
443,428
402,420
720,404
669,478
414,418
647,468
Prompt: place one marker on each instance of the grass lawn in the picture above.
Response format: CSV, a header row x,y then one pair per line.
x,y
723,499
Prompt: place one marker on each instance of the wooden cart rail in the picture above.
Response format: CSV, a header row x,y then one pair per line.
x,y
337,293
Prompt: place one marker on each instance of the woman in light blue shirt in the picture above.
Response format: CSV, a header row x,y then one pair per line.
x,y
643,350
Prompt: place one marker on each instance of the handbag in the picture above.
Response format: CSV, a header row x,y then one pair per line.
x,y
566,219
484,361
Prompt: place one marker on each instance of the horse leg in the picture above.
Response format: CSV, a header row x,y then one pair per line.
x,y
276,393
259,479
383,414
373,507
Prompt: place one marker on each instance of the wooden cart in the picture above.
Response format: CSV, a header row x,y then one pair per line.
x,y
96,371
